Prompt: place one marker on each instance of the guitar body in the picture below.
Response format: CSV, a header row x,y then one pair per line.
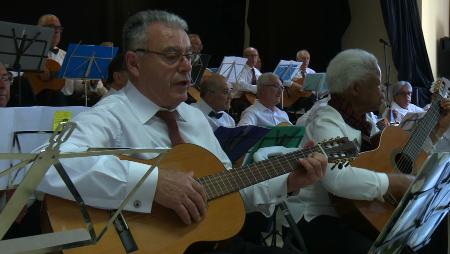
x,y
38,84
293,93
161,231
194,92
382,159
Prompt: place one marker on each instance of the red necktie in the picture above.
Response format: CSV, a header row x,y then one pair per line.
x,y
253,76
170,119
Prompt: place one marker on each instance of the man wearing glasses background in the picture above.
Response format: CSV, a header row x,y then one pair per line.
x,y
215,98
265,112
401,101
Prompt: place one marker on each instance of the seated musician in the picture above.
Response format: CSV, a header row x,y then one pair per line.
x,y
215,98
401,102
150,112
265,111
304,57
246,83
71,89
354,81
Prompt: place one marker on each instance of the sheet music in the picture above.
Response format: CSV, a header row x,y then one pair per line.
x,y
287,70
232,67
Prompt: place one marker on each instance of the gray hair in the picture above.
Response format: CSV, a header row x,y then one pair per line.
x,y
266,78
395,89
134,33
348,67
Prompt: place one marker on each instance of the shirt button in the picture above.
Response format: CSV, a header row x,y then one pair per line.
x,y
137,203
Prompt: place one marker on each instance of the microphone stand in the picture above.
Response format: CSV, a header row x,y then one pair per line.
x,y
387,71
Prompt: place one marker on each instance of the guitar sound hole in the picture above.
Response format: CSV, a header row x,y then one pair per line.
x,y
403,163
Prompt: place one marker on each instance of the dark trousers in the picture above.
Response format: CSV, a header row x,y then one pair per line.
x,y
327,234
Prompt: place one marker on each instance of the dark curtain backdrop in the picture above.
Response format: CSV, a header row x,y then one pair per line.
x,y
404,28
279,28
219,23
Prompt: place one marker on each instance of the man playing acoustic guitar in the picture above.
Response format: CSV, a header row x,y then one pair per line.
x,y
150,112
354,80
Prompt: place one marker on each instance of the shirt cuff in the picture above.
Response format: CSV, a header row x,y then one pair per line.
x,y
142,200
384,183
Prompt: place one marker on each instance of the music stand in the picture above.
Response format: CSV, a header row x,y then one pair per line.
x,y
286,70
23,48
198,68
420,211
231,68
41,162
87,62
315,82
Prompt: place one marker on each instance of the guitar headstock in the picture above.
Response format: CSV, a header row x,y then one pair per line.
x,y
441,87
339,151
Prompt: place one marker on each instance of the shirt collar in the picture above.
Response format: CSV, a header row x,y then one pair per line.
x,y
261,107
204,107
144,108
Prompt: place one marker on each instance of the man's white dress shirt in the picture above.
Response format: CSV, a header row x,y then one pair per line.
x,y
225,120
259,115
127,119
244,83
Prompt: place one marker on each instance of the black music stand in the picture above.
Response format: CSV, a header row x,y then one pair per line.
x,y
198,68
420,211
23,48
87,62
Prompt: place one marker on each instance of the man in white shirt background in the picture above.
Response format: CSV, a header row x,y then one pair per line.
x,y
215,99
265,112
401,101
246,83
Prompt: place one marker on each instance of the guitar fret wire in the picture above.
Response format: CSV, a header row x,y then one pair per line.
x,y
258,167
418,136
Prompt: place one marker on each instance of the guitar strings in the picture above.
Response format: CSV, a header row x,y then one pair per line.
x,y
418,136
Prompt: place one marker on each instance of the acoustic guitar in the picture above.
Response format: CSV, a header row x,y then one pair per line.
x,y
38,84
295,92
399,152
162,231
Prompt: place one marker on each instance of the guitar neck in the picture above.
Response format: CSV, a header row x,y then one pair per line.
x,y
423,129
236,179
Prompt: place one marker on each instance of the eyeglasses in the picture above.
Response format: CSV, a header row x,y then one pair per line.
x,y
275,86
224,91
6,78
58,29
171,58
405,93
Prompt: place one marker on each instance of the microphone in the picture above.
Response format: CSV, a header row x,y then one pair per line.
x,y
384,42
